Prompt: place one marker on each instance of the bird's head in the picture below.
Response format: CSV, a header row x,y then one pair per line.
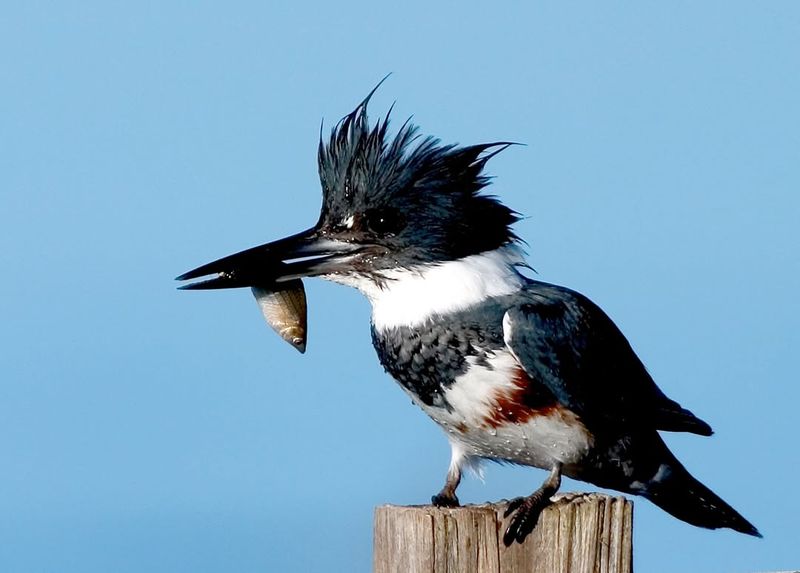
x,y
399,202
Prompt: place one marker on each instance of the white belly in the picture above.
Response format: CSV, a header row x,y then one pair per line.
x,y
540,442
477,427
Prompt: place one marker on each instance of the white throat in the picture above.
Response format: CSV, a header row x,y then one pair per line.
x,y
410,297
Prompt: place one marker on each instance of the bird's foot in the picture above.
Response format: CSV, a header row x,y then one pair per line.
x,y
526,511
443,499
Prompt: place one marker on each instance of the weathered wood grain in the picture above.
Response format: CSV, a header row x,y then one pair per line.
x,y
579,533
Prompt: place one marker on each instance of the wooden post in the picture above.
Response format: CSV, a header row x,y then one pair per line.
x,y
579,533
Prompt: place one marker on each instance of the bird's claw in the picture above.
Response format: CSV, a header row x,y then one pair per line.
x,y
526,512
445,500
513,505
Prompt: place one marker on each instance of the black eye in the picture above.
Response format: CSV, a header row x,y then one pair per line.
x,y
384,221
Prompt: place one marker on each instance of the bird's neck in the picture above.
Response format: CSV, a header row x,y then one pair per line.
x,y
410,297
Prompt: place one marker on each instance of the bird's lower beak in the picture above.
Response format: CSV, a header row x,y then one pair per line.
x,y
305,254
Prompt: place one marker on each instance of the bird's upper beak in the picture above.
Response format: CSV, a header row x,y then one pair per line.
x,y
302,255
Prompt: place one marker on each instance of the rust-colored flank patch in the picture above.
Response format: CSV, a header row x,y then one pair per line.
x,y
519,404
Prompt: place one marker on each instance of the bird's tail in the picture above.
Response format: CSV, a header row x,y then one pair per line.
x,y
674,490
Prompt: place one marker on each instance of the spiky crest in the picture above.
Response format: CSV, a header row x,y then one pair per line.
x,y
362,167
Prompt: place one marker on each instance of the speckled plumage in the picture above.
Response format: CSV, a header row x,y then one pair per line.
x,y
426,359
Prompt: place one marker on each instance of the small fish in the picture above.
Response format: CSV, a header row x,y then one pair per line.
x,y
284,307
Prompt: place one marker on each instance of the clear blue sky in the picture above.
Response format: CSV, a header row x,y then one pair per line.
x,y
147,429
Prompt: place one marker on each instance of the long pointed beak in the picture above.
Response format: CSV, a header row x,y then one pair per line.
x,y
302,255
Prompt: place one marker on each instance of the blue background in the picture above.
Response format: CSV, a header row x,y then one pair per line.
x,y
147,429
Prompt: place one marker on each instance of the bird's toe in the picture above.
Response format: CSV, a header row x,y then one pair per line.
x,y
526,512
445,500
513,505
522,523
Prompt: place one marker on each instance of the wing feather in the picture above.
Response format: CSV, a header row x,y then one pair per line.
x,y
567,343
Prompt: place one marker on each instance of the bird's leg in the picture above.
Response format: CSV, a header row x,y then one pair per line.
x,y
526,510
447,497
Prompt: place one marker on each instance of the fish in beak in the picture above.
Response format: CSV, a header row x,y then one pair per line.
x,y
284,308
273,272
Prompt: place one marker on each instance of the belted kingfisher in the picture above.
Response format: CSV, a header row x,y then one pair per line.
x,y
512,369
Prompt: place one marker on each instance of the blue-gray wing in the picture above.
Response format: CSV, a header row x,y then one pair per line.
x,y
566,342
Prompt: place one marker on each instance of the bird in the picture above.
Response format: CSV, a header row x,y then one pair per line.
x,y
513,369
